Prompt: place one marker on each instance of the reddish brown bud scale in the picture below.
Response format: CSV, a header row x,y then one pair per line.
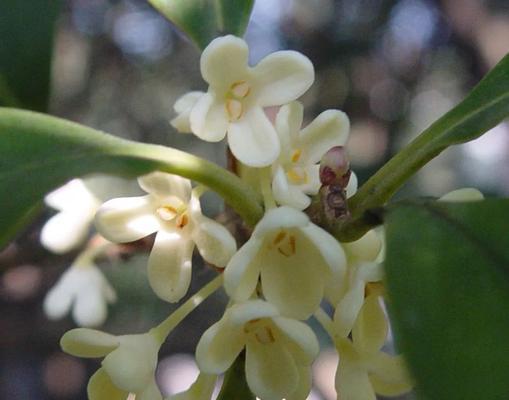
x,y
335,167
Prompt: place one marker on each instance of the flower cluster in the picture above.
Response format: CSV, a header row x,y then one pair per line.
x,y
280,276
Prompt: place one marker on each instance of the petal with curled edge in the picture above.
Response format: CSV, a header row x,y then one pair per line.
x,y
163,185
219,346
127,219
183,107
242,271
286,193
224,61
253,139
241,313
100,387
131,366
299,339
281,77
331,128
370,329
89,343
280,218
271,372
208,118
169,264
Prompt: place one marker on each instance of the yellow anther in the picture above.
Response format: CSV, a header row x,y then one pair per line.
x,y
240,89
297,177
234,109
182,220
167,212
280,236
265,335
296,155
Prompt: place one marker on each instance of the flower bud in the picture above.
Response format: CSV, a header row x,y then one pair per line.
x,y
335,167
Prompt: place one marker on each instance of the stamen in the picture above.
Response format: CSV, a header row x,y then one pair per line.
x,y
182,220
240,89
265,335
281,251
292,244
297,177
234,109
279,237
296,155
167,212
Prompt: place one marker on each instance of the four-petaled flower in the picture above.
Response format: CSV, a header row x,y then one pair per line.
x,y
296,172
173,211
279,350
238,93
128,367
183,107
83,288
294,259
363,368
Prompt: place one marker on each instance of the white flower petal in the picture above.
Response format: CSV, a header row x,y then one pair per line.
x,y
169,265
58,300
389,375
150,392
224,60
461,195
214,242
331,128
201,389
288,122
271,372
132,365
351,187
241,274
183,107
241,313
163,185
72,195
83,342
127,219
370,329
313,184
281,77
293,284
208,118
286,193
300,339
348,309
280,218
366,248
100,387
66,230
253,139
90,308
219,346
352,383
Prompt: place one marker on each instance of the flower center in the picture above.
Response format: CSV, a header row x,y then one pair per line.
x,y
296,155
234,100
297,176
260,331
285,243
178,214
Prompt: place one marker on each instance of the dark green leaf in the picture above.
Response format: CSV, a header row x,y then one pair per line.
x,y
485,106
26,32
204,20
234,383
39,153
447,272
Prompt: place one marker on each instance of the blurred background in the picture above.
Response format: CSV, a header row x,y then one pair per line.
x,y
392,66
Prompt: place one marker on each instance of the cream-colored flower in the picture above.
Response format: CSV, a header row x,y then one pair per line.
x,y
183,107
128,367
279,350
463,194
296,172
84,289
294,259
70,227
173,211
363,271
201,389
363,368
238,93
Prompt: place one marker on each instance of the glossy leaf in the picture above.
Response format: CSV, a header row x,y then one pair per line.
x,y
447,272
484,107
204,20
26,32
39,153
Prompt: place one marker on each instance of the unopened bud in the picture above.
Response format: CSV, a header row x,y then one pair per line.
x,y
335,167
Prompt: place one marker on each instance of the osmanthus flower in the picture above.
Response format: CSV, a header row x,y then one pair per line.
x,y
70,226
296,172
238,93
128,366
84,289
463,194
183,107
173,211
279,350
364,370
294,259
364,273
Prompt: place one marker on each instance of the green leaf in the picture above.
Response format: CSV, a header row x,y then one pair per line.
x,y
485,106
26,32
204,20
38,153
234,384
447,270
